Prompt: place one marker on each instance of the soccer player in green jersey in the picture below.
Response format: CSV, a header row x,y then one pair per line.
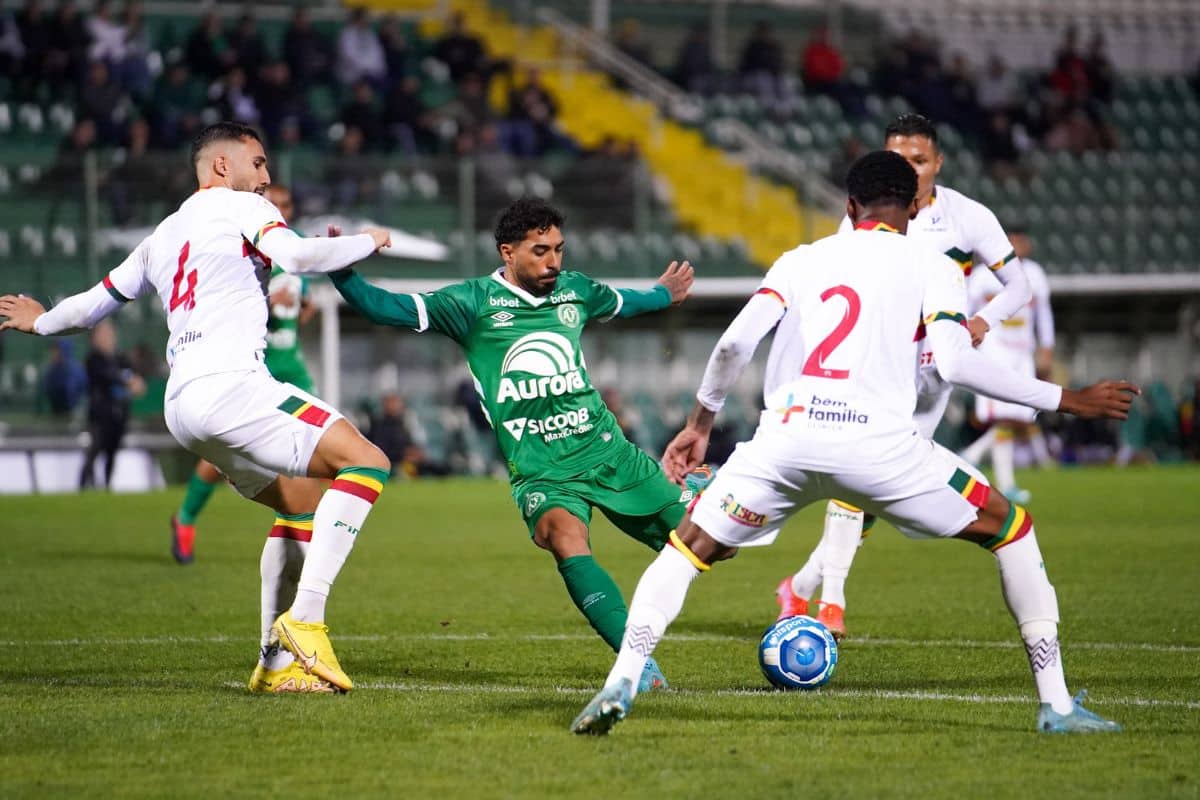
x,y
287,296
519,328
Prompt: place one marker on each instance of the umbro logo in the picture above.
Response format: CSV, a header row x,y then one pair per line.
x,y
502,319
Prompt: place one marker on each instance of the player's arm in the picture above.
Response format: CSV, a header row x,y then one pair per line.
x,y
729,358
262,225
441,311
1043,326
994,248
671,289
959,363
80,311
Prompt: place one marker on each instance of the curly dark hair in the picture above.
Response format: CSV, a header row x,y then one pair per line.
x,y
525,215
912,125
882,177
221,132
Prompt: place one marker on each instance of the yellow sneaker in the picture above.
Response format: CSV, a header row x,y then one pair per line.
x,y
309,643
291,678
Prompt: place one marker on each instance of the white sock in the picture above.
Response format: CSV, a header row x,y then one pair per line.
x,y
976,450
1034,606
806,581
1037,443
340,514
1002,461
279,567
657,601
843,534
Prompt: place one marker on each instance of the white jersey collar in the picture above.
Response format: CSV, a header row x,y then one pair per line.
x,y
533,300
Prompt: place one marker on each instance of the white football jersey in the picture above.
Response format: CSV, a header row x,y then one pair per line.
x,y
1031,327
962,228
841,363
211,280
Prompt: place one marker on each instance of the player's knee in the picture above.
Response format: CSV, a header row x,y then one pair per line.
x,y
374,458
562,540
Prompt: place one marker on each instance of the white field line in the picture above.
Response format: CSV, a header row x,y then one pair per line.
x,y
870,694
850,643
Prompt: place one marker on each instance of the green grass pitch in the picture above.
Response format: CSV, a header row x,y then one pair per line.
x,y
122,674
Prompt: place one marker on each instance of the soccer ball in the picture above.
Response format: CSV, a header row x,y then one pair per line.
x,y
798,653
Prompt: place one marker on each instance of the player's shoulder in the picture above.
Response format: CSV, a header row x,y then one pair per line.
x,y
960,205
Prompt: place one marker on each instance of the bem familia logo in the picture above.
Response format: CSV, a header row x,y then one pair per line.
x,y
823,409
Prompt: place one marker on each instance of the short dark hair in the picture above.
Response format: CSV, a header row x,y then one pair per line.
x,y
525,215
882,177
221,132
911,125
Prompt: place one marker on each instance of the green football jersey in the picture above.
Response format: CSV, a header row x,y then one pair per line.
x,y
283,357
524,355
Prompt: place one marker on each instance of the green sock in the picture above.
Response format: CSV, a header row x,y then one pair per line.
x,y
198,492
597,596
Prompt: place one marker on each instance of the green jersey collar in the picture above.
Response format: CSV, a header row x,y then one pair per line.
x,y
533,300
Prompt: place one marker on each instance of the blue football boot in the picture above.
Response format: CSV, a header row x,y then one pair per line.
x,y
1080,720
608,707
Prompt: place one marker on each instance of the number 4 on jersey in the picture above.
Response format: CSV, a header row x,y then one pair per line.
x,y
815,364
186,298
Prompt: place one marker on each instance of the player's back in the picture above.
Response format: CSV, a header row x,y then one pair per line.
x,y
211,282
844,354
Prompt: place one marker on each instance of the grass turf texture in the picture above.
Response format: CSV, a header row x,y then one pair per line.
x,y
122,673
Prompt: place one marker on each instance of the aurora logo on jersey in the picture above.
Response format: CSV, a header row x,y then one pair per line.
x,y
547,355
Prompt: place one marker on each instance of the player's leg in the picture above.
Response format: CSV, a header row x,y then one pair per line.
x,y
847,527
279,567
976,451
744,505
1037,444
200,488
1002,459
944,496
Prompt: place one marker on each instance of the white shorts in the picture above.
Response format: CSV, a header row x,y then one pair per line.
x,y
249,425
920,487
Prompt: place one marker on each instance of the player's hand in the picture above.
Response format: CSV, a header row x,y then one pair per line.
x,y
382,238
333,231
678,279
684,453
978,329
1109,399
21,312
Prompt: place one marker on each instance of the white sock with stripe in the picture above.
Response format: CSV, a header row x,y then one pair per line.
x,y
280,566
657,601
806,581
340,514
843,533
1034,605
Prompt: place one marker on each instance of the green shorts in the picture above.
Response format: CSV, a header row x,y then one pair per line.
x,y
630,489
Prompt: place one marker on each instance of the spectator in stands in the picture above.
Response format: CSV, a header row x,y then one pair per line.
x,y
960,85
360,55
134,72
232,98
102,100
175,106
761,68
694,69
998,87
248,49
852,149
998,146
106,35
613,166
207,51
111,385
280,102
460,51
33,34
1099,70
630,41
352,179
821,64
404,117
136,178
12,51
68,48
470,110
65,380
363,112
396,51
396,432
531,127
307,51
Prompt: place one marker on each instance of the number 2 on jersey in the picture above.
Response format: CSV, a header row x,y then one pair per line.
x,y
815,364
187,297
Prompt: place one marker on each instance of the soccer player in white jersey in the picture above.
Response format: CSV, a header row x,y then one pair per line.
x,y
968,233
209,263
1024,341
838,422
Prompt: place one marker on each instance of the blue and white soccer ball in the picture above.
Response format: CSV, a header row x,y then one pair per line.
x,y
798,653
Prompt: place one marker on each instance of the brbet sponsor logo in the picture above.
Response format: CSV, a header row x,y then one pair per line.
x,y
557,426
504,302
548,356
